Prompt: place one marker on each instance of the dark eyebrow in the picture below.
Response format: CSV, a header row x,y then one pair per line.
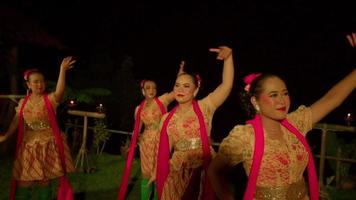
x,y
272,92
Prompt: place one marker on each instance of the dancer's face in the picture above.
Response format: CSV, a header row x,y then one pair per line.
x,y
149,89
273,101
184,89
36,83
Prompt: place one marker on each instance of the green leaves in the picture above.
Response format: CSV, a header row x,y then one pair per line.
x,y
85,95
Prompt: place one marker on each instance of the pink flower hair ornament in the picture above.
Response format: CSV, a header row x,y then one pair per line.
x,y
28,72
142,83
248,80
198,80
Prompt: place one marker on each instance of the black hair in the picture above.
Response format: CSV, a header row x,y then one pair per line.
x,y
195,77
142,82
255,90
28,73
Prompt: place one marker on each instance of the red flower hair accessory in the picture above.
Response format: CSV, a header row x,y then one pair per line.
x,y
142,83
198,79
248,80
28,72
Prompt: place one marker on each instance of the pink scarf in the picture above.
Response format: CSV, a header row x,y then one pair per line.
x,y
258,154
128,164
65,191
164,153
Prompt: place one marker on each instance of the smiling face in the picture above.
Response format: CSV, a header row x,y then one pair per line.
x,y
36,83
273,101
184,89
149,89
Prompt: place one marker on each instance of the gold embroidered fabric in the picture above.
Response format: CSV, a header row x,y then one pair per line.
x,y
283,162
150,118
38,157
183,131
188,144
294,191
35,126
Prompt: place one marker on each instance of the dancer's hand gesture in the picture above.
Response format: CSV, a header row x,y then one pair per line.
x,y
223,52
181,67
67,63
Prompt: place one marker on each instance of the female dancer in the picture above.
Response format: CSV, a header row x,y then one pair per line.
x,y
272,146
42,155
185,135
148,114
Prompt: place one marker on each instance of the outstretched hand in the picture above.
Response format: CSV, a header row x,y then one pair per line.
x,y
352,39
181,67
223,52
67,63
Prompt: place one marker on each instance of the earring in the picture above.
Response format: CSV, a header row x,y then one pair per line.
x,y
257,108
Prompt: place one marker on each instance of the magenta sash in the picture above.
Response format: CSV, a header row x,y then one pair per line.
x,y
208,192
128,164
65,191
258,154
164,153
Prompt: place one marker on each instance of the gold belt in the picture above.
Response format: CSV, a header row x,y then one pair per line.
x,y
294,191
187,144
34,126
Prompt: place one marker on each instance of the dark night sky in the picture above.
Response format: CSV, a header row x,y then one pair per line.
x,y
302,40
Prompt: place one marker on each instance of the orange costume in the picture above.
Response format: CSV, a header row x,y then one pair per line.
x,y
185,177
150,117
283,163
38,157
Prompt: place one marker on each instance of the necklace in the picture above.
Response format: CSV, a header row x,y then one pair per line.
x,y
35,102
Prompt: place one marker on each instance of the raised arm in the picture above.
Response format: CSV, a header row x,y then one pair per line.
x,y
219,95
170,96
334,97
337,94
67,63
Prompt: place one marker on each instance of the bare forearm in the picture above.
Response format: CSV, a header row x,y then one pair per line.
x,y
334,97
220,94
60,85
228,74
342,89
67,63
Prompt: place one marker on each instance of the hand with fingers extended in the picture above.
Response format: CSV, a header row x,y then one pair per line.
x,y
67,63
223,52
181,67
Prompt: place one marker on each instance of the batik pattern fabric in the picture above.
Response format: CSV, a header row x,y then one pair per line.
x,y
38,156
148,143
283,162
186,174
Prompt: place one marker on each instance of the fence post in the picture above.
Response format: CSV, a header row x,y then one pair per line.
x,y
322,155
